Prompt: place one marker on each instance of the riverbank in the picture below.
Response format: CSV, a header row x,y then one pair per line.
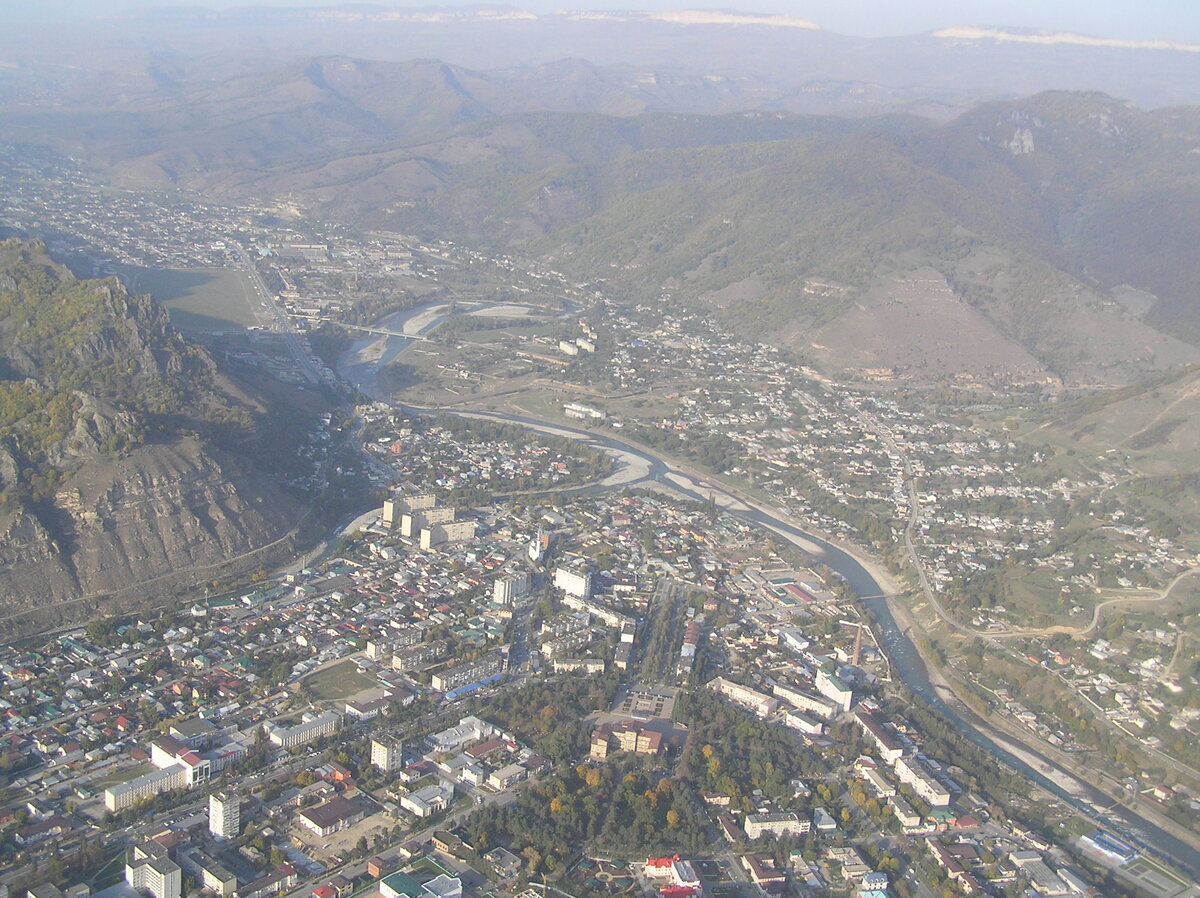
x,y
1060,767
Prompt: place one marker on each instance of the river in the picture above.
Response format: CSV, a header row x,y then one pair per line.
x,y
636,466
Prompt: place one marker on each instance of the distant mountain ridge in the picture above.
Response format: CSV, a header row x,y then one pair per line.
x,y
1038,216
773,61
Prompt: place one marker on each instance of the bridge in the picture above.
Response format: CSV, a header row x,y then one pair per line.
x,y
372,329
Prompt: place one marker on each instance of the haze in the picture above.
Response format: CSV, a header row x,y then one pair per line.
x,y
1166,19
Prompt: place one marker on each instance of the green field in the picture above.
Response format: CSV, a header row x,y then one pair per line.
x,y
199,300
338,682
121,776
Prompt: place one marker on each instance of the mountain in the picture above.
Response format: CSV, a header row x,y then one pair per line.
x,y
1055,229
337,110
680,61
800,239
123,450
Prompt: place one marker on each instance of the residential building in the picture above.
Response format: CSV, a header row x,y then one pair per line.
x,y
776,823
213,876
150,869
510,587
413,523
913,773
224,814
507,777
888,746
468,673
387,753
418,655
835,689
313,726
454,532
760,704
122,796
395,508
807,701
574,581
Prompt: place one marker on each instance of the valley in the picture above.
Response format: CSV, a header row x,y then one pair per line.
x,y
504,472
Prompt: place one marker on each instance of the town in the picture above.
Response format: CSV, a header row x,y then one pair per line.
x,y
498,679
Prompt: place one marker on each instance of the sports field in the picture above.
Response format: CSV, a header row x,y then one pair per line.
x,y
200,300
339,682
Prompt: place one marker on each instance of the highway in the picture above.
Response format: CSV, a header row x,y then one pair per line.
x,y
283,324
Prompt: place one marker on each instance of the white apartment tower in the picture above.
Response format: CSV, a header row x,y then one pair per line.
x,y
224,814
510,587
387,754
574,581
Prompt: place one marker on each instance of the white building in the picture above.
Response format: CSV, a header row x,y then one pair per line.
x,y
387,754
889,746
125,795
807,701
428,801
912,773
774,824
457,531
167,751
469,729
762,705
798,720
394,508
151,870
507,777
510,587
412,523
574,582
313,726
224,814
835,689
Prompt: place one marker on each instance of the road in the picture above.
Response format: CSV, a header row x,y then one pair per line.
x,y
283,324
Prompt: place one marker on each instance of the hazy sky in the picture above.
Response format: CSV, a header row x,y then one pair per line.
x,y
1135,19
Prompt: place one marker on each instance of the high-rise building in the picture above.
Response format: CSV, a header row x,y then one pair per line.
x,y
413,522
224,814
446,533
510,587
395,508
150,869
387,754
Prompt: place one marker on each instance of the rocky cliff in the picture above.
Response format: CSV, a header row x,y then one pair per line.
x,y
122,470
